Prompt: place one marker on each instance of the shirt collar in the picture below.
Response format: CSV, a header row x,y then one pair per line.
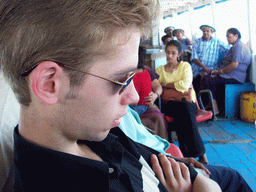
x,y
55,168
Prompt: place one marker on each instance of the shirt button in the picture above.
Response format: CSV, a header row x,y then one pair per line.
x,y
111,170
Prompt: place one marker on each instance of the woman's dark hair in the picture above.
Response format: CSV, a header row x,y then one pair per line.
x,y
234,31
164,37
142,55
177,45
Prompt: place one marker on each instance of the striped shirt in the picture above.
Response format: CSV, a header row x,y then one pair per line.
x,y
210,53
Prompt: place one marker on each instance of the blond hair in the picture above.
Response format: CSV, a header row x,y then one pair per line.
x,y
71,32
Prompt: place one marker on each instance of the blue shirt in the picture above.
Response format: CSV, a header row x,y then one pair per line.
x,y
238,53
210,53
132,127
185,45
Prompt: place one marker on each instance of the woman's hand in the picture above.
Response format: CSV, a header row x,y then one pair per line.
x,y
216,72
174,175
195,164
150,99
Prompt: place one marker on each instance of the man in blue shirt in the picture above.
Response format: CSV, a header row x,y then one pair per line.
x,y
207,54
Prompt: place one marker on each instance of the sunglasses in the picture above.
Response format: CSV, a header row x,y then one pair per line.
x,y
123,84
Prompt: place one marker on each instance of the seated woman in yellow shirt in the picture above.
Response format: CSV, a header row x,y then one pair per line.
x,y
176,79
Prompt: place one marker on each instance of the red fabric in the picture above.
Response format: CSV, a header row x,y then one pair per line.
x,y
142,83
174,151
203,115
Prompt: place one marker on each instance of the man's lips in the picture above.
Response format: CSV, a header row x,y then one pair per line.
x,y
116,122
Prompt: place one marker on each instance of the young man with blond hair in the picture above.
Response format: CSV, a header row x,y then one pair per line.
x,y
70,64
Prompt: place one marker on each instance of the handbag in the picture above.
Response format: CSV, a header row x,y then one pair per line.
x,y
171,94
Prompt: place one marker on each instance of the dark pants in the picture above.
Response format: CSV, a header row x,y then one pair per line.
x,y
196,83
186,127
228,179
213,82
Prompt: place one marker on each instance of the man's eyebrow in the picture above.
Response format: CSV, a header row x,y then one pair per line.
x,y
124,72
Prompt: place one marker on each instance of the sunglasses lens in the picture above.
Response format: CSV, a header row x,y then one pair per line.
x,y
127,83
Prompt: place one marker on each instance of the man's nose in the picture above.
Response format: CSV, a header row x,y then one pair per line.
x,y
130,95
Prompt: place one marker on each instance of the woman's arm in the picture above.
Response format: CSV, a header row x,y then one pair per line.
x,y
156,87
189,40
232,66
156,92
186,78
169,86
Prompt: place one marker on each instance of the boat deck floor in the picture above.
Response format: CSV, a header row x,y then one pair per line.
x,y
231,143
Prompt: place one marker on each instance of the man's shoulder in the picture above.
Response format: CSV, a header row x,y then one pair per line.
x,y
220,42
198,40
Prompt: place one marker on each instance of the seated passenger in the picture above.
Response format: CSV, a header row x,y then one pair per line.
x,y
178,101
169,31
134,129
185,42
233,69
70,64
165,39
207,54
149,90
169,36
228,179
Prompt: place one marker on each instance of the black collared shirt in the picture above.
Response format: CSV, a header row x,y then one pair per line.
x,y
126,167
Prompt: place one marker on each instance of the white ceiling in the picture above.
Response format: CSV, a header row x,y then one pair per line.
x,y
169,7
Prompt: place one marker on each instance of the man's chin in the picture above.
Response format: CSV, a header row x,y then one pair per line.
x,y
102,136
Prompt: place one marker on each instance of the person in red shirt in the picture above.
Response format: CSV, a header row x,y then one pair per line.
x,y
148,88
142,83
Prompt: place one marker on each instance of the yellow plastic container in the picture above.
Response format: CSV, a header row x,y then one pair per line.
x,y
248,106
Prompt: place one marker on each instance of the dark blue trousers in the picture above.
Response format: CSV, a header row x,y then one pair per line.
x,y
213,82
228,179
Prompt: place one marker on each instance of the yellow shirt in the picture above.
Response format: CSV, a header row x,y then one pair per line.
x,y
182,77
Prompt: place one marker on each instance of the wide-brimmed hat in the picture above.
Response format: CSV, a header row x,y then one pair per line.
x,y
170,27
174,31
202,26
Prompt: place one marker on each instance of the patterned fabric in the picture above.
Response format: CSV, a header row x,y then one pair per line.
x,y
153,118
142,84
210,53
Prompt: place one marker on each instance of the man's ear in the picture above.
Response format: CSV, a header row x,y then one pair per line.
x,y
45,82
